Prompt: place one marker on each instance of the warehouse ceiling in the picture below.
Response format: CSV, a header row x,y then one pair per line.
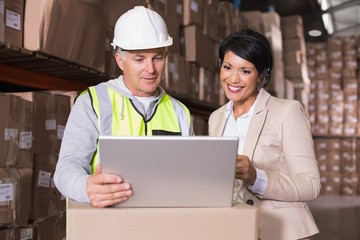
x,y
330,17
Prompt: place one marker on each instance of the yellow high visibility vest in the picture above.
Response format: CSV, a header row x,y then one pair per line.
x,y
117,116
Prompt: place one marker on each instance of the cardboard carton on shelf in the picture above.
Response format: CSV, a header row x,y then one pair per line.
x,y
15,185
51,114
11,22
16,127
70,30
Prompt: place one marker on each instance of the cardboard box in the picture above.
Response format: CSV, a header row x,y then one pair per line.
x,y
11,22
193,85
16,233
72,30
271,19
208,86
331,183
296,71
52,112
174,8
200,125
211,22
175,74
15,185
294,44
193,12
23,233
52,227
174,29
43,194
158,6
253,19
229,16
292,26
197,47
16,128
6,234
86,222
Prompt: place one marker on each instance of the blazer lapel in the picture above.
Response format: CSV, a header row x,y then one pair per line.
x,y
220,123
257,123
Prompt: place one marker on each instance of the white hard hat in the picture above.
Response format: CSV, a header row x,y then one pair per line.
x,y
141,28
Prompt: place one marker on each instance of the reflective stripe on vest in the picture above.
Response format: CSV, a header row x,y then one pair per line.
x,y
118,117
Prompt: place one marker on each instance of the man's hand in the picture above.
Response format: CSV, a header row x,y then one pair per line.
x,y
245,170
106,189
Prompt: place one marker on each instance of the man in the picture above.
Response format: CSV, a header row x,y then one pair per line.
x,y
133,104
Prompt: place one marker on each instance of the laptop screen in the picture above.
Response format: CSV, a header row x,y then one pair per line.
x,y
173,171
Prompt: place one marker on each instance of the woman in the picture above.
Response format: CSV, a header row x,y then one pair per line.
x,y
276,166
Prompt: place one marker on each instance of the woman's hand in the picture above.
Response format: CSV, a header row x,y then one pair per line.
x,y
245,171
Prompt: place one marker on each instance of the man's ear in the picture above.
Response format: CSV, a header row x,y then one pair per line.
x,y
119,61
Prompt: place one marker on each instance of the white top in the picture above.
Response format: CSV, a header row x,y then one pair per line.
x,y
239,127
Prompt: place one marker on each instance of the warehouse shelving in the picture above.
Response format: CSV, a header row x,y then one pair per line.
x,y
36,70
22,67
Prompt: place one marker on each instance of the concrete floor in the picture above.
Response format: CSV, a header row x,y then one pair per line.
x,y
337,217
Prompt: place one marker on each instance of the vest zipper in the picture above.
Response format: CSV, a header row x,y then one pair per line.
x,y
146,128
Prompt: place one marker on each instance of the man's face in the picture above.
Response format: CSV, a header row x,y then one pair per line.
x,y
142,70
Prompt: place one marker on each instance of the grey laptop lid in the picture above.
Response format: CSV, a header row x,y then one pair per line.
x,y
173,171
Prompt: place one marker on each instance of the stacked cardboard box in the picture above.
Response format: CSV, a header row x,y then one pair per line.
x,y
200,37
335,111
200,125
11,22
328,153
16,161
52,111
16,142
322,125
175,74
193,12
349,167
60,28
209,92
272,30
193,73
196,45
336,86
26,179
351,107
230,19
339,165
253,20
51,228
211,23
294,55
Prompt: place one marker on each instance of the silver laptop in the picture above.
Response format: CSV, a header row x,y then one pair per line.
x,y
173,171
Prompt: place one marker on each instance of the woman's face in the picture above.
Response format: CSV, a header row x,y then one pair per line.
x,y
239,79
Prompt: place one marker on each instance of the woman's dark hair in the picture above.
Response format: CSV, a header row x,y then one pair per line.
x,y
251,46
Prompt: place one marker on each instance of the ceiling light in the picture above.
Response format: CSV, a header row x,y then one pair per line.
x,y
315,33
328,23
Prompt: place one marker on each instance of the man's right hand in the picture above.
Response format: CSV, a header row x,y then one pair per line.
x,y
106,189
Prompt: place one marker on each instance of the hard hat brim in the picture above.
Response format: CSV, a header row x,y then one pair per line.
x,y
130,46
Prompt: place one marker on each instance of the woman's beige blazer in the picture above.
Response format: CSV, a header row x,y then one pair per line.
x,y
279,141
